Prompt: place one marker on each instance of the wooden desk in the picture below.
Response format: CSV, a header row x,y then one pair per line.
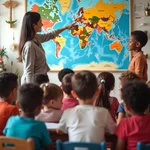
x,y
110,139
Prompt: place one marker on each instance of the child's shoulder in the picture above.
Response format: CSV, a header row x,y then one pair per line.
x,y
7,106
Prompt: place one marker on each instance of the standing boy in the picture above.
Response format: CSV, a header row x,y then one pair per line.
x,y
138,64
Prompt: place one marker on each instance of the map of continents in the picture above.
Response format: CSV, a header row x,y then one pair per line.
x,y
99,40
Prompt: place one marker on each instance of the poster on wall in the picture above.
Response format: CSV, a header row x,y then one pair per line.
x,y
99,41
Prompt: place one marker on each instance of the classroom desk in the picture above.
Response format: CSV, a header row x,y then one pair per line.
x,y
110,139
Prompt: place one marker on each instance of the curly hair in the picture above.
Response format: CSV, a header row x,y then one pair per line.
x,y
128,76
136,94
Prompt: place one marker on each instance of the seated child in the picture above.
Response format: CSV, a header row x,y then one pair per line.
x,y
8,94
40,78
25,126
68,101
52,103
131,130
124,77
85,122
106,83
63,72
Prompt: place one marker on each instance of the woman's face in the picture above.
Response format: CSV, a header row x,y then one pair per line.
x,y
38,26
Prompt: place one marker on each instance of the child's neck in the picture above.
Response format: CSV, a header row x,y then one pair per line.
x,y
85,102
67,96
137,50
5,100
27,115
137,114
45,108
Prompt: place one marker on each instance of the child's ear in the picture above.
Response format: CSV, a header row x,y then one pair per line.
x,y
52,102
74,94
127,108
138,44
17,103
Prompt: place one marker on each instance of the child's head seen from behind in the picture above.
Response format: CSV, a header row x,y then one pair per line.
x,y
53,95
135,95
30,99
126,77
8,86
106,82
66,84
63,72
40,78
84,85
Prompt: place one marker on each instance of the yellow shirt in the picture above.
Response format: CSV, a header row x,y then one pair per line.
x,y
138,65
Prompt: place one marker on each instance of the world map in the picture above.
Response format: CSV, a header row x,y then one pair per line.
x,y
99,39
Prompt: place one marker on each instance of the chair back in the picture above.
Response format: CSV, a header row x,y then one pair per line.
x,y
141,146
79,146
11,143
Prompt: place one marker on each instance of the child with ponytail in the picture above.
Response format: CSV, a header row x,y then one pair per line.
x,y
106,83
52,103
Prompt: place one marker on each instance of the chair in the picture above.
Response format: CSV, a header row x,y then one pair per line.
x,y
18,144
79,146
141,146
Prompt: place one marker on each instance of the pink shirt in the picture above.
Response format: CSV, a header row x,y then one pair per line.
x,y
50,115
134,129
69,103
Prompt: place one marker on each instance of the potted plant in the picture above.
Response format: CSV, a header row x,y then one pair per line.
x,y
3,54
147,10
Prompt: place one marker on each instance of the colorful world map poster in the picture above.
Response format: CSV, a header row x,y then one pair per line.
x,y
99,41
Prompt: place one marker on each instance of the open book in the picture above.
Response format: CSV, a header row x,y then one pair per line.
x,y
51,125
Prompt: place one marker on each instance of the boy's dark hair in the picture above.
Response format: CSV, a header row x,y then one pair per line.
x,y
136,94
30,97
63,72
40,78
51,92
106,81
8,81
128,76
84,84
66,83
140,36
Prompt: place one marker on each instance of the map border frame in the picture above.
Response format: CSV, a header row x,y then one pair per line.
x,y
130,30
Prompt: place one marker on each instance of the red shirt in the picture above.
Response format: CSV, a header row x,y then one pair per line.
x,y
69,103
6,110
114,107
134,129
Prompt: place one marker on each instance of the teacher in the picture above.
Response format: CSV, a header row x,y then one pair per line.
x,y
31,52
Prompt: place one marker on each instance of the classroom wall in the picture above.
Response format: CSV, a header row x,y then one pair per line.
x,y
6,35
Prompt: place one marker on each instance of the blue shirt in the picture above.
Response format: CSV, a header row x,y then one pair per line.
x,y
28,128
121,108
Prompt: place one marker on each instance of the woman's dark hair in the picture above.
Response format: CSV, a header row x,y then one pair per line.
x,y
106,82
27,30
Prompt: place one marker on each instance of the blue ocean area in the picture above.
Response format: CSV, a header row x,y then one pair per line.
x,y
97,49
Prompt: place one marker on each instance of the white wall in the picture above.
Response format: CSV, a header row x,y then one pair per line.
x,y
6,35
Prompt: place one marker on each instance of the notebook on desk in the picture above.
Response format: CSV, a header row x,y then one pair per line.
x,y
51,125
